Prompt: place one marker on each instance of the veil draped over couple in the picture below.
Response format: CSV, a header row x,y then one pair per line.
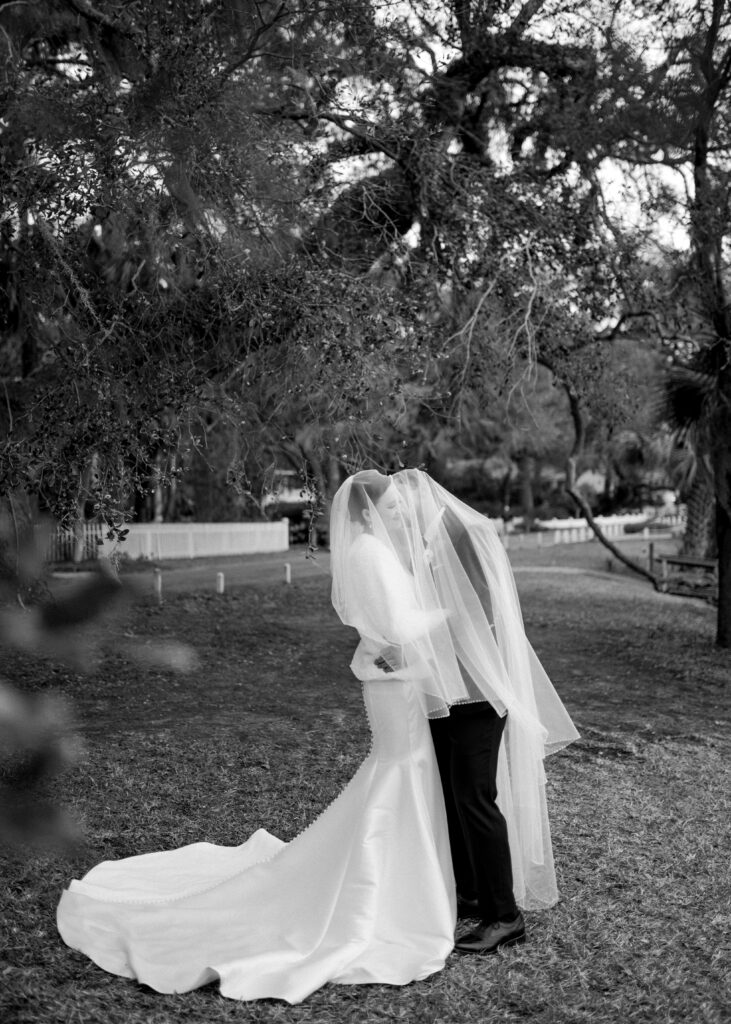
x,y
445,818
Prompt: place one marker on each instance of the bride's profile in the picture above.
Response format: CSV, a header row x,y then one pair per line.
x,y
366,893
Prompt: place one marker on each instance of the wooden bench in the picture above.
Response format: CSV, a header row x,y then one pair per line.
x,y
708,565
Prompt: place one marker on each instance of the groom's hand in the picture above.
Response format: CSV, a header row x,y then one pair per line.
x,y
389,660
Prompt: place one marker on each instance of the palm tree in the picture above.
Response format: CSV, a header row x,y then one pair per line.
x,y
688,405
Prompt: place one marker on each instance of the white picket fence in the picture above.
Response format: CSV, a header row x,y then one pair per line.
x,y
158,541
576,531
69,546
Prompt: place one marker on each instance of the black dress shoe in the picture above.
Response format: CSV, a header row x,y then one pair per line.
x,y
467,908
489,938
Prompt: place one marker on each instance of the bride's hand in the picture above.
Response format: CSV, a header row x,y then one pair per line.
x,y
389,660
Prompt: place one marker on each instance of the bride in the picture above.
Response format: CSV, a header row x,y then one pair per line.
x,y
366,894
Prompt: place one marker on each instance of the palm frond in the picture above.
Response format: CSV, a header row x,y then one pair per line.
x,y
686,400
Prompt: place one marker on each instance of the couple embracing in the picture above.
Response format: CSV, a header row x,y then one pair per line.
x,y
446,818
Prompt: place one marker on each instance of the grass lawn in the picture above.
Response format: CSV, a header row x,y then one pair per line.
x,y
270,727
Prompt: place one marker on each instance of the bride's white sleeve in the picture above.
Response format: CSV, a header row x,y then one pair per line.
x,y
383,600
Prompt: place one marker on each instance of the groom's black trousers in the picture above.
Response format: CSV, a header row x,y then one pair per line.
x,y
467,744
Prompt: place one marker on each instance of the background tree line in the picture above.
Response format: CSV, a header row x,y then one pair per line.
x,y
237,235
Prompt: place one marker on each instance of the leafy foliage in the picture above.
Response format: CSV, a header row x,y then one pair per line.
x,y
209,201
334,232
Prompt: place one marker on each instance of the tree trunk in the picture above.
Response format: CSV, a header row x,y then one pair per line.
x,y
171,500
334,477
608,492
505,490
317,470
526,464
88,482
723,535
708,222
158,497
79,548
722,478
26,324
699,536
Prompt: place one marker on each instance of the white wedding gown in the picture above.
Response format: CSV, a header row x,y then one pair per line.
x,y
364,895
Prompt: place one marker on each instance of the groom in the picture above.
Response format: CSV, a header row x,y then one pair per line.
x,y
467,745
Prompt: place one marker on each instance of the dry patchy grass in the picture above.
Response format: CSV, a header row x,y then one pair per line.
x,y
270,729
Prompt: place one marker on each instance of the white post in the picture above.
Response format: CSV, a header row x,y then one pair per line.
x,y
157,584
287,572
220,583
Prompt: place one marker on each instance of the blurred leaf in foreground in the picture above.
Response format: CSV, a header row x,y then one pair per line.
x,y
37,743
37,739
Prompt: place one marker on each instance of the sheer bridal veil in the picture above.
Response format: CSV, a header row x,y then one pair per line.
x,y
415,568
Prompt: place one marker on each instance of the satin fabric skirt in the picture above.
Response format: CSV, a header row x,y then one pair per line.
x,y
365,894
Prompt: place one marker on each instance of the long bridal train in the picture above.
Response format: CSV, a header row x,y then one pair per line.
x,y
365,894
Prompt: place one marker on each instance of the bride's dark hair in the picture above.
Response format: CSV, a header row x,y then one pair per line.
x,y
369,484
